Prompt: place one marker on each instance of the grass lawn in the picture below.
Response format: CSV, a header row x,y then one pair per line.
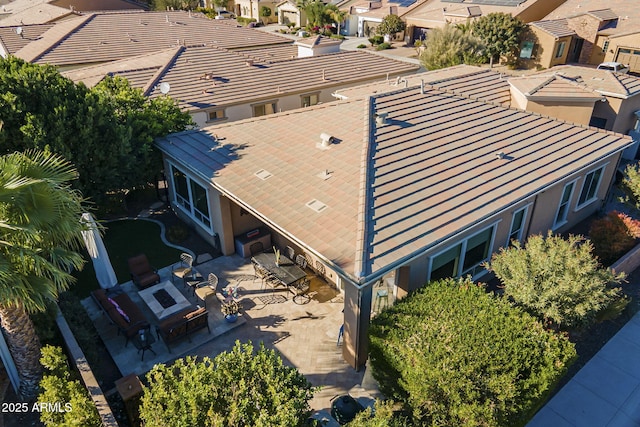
x,y
124,239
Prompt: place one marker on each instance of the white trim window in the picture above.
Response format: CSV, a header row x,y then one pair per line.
x,y
590,186
310,99
465,258
563,206
517,224
191,197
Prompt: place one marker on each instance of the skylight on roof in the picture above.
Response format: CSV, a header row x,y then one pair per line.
x,y
263,174
316,205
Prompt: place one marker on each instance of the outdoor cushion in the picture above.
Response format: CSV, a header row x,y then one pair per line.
x,y
122,313
194,313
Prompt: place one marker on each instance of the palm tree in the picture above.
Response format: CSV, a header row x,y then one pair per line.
x,y
40,233
336,15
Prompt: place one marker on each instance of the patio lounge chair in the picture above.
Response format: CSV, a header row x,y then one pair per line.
x,y
205,289
142,273
183,268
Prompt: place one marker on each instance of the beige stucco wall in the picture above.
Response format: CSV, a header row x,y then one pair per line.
x,y
573,112
631,41
625,119
538,10
608,110
544,50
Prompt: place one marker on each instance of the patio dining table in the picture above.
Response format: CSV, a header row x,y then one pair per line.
x,y
287,272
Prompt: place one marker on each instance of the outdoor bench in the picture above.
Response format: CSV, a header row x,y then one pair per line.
x,y
127,316
182,325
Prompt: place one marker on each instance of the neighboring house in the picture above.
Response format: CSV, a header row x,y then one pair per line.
x,y
218,85
402,187
290,13
26,12
584,32
422,16
99,38
251,9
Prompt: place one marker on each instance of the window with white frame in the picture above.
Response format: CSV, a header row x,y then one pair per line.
x,y
590,187
563,207
264,109
191,197
517,224
465,258
560,49
310,99
526,50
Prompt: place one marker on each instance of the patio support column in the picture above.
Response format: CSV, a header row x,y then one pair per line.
x,y
225,231
357,313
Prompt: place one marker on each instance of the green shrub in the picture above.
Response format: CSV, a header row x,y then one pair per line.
x,y
245,21
376,40
613,236
383,46
81,325
242,387
59,387
557,279
459,356
361,46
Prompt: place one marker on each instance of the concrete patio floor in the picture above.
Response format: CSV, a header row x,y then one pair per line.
x,y
305,335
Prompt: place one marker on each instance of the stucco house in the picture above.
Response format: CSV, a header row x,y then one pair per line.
x,y
218,85
585,32
402,186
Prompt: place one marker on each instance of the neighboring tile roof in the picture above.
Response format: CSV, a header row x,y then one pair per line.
x,y
603,14
465,80
272,54
556,27
602,81
139,70
204,77
12,42
435,10
429,173
627,12
553,87
112,36
33,12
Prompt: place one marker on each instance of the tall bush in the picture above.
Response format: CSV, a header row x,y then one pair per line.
x,y
75,408
460,356
242,387
613,236
557,279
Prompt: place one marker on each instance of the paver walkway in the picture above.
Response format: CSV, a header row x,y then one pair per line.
x,y
605,392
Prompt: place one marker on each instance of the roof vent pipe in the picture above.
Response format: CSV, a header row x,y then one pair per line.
x,y
422,86
325,140
381,117
249,62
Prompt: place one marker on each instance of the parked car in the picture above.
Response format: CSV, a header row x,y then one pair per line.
x,y
225,14
616,67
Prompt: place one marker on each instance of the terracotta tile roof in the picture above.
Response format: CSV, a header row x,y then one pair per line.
x,y
33,12
627,12
556,27
465,80
12,42
553,87
396,189
435,10
139,70
112,36
601,81
204,77
272,54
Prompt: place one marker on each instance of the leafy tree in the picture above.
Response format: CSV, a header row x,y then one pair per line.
x,y
390,25
175,4
240,387
457,355
265,13
448,46
107,132
557,279
40,234
499,32
315,11
59,386
613,236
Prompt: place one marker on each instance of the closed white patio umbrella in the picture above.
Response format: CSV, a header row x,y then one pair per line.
x,y
98,253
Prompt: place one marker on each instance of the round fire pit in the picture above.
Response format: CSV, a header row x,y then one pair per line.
x,y
345,408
